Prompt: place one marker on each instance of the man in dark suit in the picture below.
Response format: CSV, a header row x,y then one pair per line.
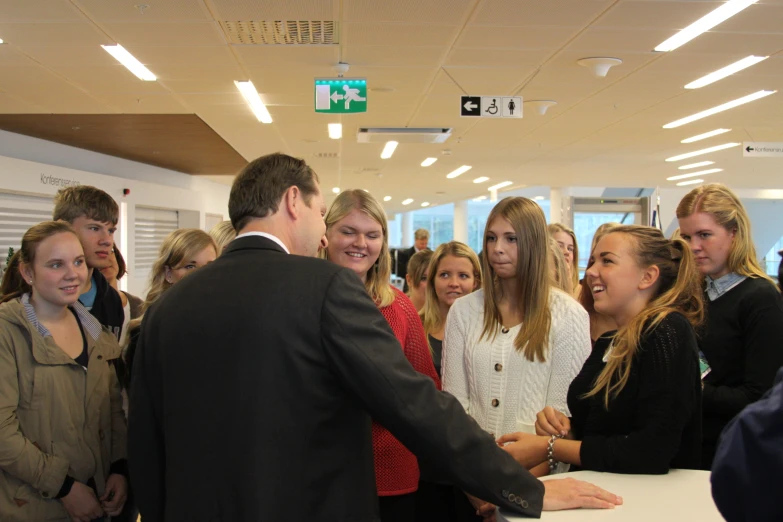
x,y
420,240
256,377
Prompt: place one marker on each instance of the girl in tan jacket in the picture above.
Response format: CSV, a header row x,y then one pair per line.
x,y
62,429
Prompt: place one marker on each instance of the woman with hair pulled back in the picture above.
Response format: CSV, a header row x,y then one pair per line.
x,y
744,310
62,428
636,404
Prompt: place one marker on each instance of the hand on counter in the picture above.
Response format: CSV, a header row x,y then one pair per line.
x,y
574,494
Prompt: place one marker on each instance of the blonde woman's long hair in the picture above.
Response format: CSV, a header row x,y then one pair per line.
x,y
533,276
553,229
678,289
223,233
727,210
181,245
558,268
430,314
378,278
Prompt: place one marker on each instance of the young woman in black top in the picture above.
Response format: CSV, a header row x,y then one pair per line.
x,y
744,310
636,404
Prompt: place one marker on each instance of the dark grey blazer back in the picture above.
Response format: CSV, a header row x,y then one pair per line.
x,y
253,387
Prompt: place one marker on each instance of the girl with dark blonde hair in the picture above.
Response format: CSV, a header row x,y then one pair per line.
x,y
741,339
416,278
566,240
358,239
636,403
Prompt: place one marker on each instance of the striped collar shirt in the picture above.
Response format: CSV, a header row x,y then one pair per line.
x,y
90,324
718,287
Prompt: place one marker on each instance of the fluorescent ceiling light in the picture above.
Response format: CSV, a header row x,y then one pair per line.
x,y
705,135
500,185
726,71
702,151
704,24
720,108
335,131
539,198
1,40
429,161
387,198
482,179
407,201
388,150
695,165
463,169
130,62
252,98
691,182
336,190
425,204
694,174
480,198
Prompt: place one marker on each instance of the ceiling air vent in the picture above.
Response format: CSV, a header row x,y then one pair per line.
x,y
301,32
402,135
326,155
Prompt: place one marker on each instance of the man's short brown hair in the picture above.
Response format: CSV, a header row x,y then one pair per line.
x,y
257,190
421,233
83,200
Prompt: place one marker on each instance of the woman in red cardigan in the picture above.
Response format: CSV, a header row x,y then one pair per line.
x,y
357,235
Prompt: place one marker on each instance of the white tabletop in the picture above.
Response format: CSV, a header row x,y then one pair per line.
x,y
680,496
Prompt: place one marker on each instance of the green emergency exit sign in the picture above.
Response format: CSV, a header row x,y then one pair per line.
x,y
340,95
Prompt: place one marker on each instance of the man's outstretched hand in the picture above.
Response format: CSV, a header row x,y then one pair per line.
x,y
570,493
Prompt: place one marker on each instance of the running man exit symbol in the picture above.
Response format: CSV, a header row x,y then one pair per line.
x,y
340,95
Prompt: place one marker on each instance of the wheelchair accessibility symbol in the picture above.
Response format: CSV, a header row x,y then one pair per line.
x,y
492,109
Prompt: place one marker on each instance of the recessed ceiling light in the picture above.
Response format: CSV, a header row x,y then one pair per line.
x,y
336,190
693,174
702,151
388,150
130,62
696,165
425,204
705,135
387,198
480,198
539,198
720,108
1,40
429,161
690,182
252,98
407,201
705,23
454,173
726,71
482,179
335,131
500,185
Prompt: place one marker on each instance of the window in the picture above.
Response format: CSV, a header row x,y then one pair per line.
x,y
439,221
17,214
771,261
151,227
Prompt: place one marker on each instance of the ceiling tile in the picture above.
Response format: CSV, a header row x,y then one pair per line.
x,y
152,12
409,35
165,34
448,12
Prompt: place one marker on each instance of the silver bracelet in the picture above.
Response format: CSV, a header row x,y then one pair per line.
x,y
550,452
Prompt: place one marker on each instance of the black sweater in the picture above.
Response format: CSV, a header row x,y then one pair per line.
x,y
654,424
742,344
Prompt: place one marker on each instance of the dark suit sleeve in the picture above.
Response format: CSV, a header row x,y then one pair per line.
x,y
366,356
146,451
749,461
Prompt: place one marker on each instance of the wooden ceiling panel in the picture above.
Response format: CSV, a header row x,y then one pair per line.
x,y
448,12
529,37
152,12
178,142
516,13
411,35
166,34
72,34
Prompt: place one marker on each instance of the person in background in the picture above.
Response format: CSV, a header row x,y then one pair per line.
x,y
62,429
93,214
599,323
636,403
566,240
749,462
741,339
131,305
560,275
420,240
181,253
223,233
416,278
357,239
513,347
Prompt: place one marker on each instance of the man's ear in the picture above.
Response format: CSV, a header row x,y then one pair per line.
x,y
291,199
649,277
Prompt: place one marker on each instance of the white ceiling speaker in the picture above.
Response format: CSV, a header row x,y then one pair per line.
x,y
540,106
599,66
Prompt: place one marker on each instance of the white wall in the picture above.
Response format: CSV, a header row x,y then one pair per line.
x,y
38,167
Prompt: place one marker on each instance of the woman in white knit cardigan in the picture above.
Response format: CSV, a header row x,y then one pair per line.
x,y
514,347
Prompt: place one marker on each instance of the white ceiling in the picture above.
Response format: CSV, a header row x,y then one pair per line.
x,y
602,132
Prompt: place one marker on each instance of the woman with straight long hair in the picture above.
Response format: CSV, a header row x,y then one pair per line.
x,y
635,405
558,269
62,428
416,278
741,339
566,240
513,347
358,239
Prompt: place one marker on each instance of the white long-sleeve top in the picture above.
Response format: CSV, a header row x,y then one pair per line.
x,y
498,386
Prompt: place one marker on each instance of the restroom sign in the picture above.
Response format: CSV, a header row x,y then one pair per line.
x,y
340,95
491,106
